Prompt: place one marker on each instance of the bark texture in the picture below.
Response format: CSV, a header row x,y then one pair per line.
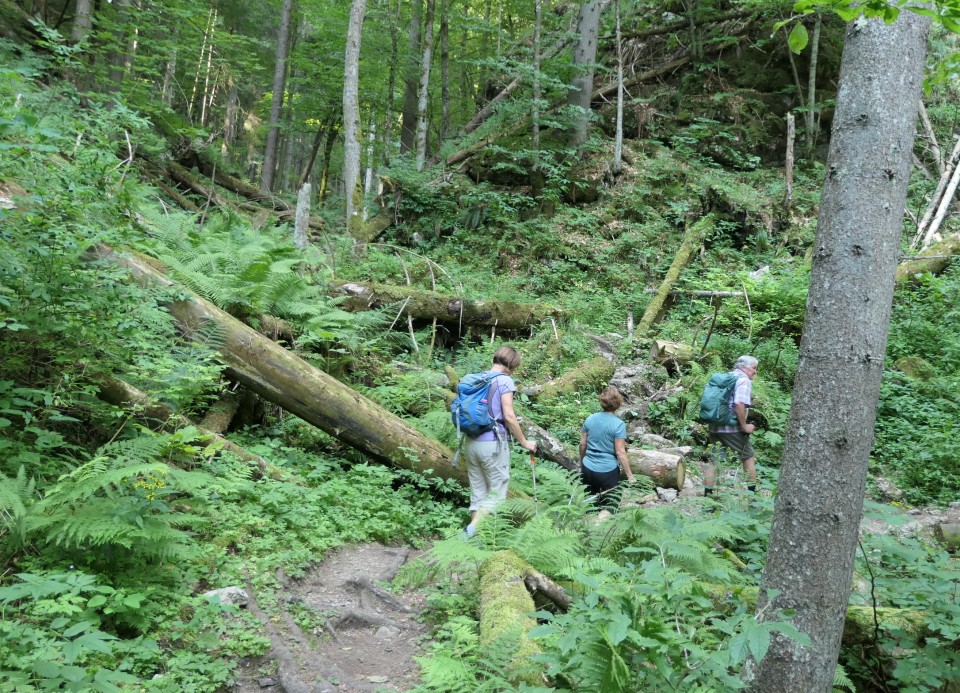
x,y
667,470
584,57
426,304
285,379
810,558
351,117
276,101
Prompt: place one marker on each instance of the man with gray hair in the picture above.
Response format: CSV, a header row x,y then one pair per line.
x,y
735,437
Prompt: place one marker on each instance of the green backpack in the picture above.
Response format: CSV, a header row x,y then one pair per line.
x,y
715,400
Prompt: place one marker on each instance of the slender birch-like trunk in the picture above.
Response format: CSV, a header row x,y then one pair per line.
x,y
617,165
351,118
408,120
424,91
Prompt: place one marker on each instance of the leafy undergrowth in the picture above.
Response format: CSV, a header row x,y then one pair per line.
x,y
110,530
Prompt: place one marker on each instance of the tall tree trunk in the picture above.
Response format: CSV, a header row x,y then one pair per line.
x,y
810,117
169,74
444,69
276,102
424,89
813,539
618,136
206,96
391,87
535,106
325,126
230,118
324,188
408,118
351,118
82,21
207,34
368,178
120,60
584,57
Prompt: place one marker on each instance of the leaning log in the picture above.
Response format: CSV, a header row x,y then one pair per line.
x,y
221,413
666,470
427,304
659,303
549,447
505,606
586,375
122,394
285,379
934,260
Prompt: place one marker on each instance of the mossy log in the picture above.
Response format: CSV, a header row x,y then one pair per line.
x,y
586,375
15,23
859,624
505,608
123,394
221,413
934,260
285,379
948,534
688,247
666,469
426,304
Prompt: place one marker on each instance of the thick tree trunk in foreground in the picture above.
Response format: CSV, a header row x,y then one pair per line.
x,y
426,304
584,56
586,375
667,470
287,380
813,539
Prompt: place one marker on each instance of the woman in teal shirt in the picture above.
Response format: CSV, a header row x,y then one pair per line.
x,y
603,451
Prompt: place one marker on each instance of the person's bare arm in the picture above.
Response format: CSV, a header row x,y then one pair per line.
x,y
620,447
740,409
510,421
583,446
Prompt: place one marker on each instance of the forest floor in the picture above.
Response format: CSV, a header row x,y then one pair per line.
x,y
368,639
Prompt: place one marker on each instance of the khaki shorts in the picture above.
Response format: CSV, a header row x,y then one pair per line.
x,y
737,441
488,468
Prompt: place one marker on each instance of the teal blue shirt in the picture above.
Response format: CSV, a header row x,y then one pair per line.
x,y
602,429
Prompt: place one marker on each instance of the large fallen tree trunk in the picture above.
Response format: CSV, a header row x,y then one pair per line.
x,y
586,375
122,394
505,606
426,304
285,379
548,446
667,470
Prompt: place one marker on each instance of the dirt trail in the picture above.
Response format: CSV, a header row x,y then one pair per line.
x,y
365,639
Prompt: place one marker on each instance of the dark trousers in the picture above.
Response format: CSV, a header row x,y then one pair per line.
x,y
601,485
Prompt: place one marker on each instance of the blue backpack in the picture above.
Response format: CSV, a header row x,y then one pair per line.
x,y
472,410
715,401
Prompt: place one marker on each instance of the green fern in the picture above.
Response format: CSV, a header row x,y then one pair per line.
x,y
17,496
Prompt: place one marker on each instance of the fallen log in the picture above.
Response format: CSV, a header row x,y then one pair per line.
x,y
662,351
659,303
666,470
586,375
948,534
285,379
549,447
123,394
221,413
934,260
505,606
427,304
860,623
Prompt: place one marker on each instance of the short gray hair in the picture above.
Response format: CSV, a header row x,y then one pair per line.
x,y
748,361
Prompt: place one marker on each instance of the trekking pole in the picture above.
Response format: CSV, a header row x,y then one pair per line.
x,y
533,470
